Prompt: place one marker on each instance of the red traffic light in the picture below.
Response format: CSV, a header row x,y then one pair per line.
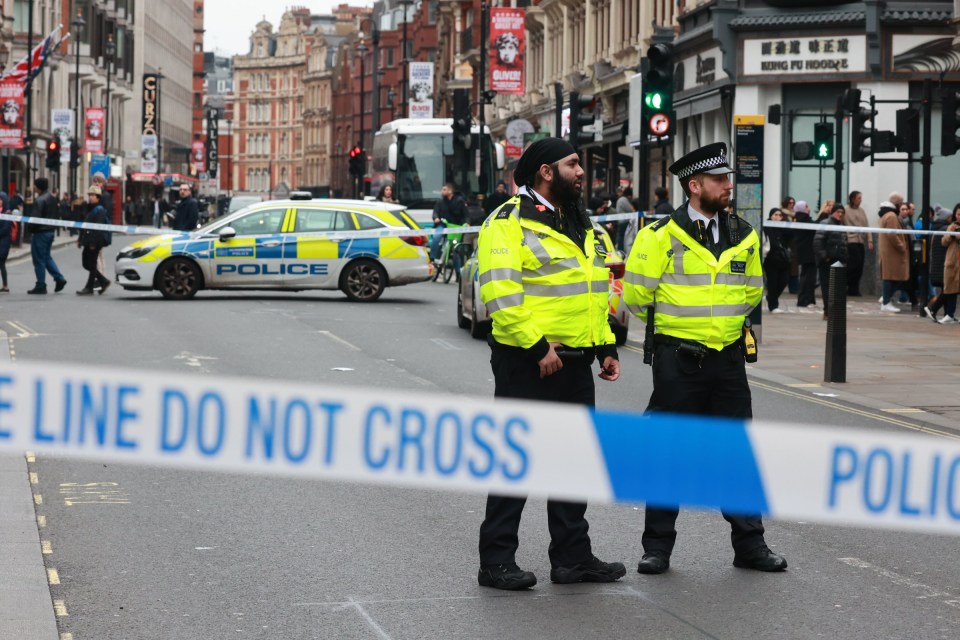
x,y
53,146
356,151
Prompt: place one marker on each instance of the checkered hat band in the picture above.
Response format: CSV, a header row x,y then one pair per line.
x,y
703,165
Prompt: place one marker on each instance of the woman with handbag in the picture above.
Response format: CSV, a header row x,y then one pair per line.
x,y
92,241
776,264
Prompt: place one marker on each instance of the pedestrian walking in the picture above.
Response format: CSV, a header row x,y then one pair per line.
x,y
942,218
41,240
698,347
894,256
829,246
624,205
807,261
6,239
548,327
188,211
858,242
951,270
776,264
92,242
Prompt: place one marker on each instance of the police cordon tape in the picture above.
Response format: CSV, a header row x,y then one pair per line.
x,y
839,228
398,438
372,233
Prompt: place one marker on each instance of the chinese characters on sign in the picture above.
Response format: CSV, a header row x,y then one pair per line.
x,y
506,50
834,54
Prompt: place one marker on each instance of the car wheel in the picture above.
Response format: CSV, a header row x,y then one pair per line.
x,y
462,322
619,333
477,330
363,281
178,279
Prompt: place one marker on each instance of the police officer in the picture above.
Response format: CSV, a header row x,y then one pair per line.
x,y
698,271
545,283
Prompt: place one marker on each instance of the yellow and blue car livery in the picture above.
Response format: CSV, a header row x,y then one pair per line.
x,y
284,245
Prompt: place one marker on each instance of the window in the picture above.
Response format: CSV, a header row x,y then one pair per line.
x,y
309,220
259,222
368,222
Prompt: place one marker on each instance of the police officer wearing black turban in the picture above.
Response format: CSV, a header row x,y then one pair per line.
x,y
545,283
698,273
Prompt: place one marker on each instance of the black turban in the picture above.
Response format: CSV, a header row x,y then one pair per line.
x,y
541,152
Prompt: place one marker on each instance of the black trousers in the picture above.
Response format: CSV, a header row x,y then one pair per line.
x,y
808,285
88,258
856,255
716,387
516,376
776,282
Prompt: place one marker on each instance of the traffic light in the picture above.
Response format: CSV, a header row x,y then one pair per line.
x,y
582,106
949,140
74,154
823,141
53,155
861,133
461,117
657,109
357,161
908,130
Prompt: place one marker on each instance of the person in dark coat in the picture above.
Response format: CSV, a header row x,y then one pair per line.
x,y
828,248
498,197
776,264
938,253
188,211
41,239
806,260
6,227
91,242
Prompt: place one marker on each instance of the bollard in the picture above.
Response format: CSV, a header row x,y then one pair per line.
x,y
835,363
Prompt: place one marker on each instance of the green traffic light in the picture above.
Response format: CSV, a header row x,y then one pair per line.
x,y
823,151
654,100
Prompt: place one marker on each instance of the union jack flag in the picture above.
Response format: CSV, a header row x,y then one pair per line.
x,y
24,71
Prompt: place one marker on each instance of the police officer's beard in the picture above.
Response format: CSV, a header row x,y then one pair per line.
x,y
566,190
713,205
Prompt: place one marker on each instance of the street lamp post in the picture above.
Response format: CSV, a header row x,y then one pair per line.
x,y
111,51
77,24
362,50
406,63
230,159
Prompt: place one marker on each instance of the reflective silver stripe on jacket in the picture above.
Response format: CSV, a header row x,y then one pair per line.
x,y
601,285
556,290
504,273
703,311
739,279
687,280
504,302
678,250
641,280
599,262
551,269
533,243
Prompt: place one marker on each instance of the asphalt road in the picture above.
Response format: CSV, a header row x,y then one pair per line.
x,y
143,553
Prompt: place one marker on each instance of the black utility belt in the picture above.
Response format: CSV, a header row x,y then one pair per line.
x,y
690,346
569,354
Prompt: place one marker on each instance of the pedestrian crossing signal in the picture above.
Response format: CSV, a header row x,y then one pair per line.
x,y
53,155
823,141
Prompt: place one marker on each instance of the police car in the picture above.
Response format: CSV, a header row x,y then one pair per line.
x,y
472,314
286,245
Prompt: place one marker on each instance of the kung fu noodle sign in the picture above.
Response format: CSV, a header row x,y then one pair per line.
x,y
507,50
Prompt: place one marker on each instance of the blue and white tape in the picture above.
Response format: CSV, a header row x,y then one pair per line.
x,y
829,475
371,233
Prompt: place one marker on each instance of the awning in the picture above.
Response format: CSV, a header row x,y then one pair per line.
x,y
709,100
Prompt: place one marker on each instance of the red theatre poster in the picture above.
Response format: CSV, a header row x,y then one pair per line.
x,y
93,121
11,104
507,34
198,156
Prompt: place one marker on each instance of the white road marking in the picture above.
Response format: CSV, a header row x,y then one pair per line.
x,y
194,360
444,344
336,338
924,591
22,330
366,616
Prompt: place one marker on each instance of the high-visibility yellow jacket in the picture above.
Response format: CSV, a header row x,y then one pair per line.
x,y
697,295
537,284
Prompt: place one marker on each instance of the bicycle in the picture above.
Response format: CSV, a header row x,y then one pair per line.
x,y
446,266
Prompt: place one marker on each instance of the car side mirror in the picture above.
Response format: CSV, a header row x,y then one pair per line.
x,y
227,233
